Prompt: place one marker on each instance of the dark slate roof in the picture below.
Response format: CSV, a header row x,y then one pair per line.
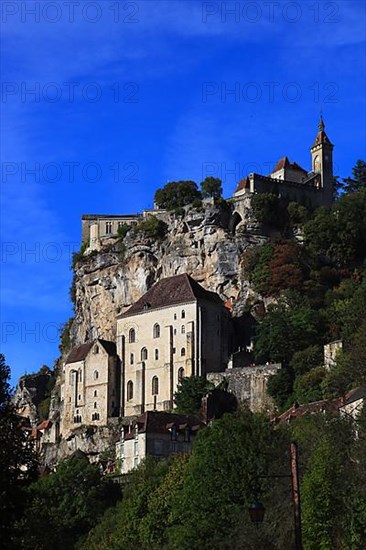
x,y
79,353
176,290
354,395
285,163
154,422
321,135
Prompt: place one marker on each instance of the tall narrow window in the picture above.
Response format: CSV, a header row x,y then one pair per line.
x,y
108,228
183,329
183,315
156,331
143,354
132,336
155,385
180,374
183,352
132,359
156,354
129,390
95,375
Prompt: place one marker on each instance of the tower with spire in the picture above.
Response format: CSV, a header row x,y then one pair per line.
x,y
322,162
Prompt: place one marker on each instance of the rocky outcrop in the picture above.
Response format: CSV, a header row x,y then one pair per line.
x,y
30,392
200,243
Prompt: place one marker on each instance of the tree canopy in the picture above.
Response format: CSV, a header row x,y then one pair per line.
x,y
177,194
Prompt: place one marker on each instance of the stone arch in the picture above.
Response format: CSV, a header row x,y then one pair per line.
x,y
235,220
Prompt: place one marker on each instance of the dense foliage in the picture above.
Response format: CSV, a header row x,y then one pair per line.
x,y
176,194
317,286
189,394
18,464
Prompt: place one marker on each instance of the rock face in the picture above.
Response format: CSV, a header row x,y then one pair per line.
x,y
199,243
29,393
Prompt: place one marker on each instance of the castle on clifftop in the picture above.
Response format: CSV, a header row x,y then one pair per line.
x,y
312,188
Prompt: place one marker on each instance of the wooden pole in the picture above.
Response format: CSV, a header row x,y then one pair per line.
x,y
296,494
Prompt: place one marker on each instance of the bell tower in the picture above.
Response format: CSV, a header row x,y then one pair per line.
x,y
322,162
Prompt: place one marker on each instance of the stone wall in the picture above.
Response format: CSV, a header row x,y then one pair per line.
x,y
249,385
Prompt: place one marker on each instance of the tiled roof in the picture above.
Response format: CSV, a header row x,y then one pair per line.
x,y
285,163
160,422
329,405
171,291
79,353
243,184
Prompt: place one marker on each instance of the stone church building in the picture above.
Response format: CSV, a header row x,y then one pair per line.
x,y
176,329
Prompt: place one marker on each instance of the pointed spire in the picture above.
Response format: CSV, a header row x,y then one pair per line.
x,y
321,123
321,135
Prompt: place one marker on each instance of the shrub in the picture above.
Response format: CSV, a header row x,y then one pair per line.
x,y
152,227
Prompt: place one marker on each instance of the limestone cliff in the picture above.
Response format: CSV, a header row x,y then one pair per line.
x,y
201,243
30,396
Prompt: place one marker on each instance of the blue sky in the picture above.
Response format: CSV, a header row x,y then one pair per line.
x,y
129,95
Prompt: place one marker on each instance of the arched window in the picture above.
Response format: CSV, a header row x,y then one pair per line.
x,y
156,331
132,359
129,390
96,349
155,385
132,336
183,329
143,354
95,393
95,375
180,374
156,354
183,352
95,405
183,314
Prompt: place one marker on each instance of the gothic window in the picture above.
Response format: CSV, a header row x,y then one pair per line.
x,y
129,390
183,314
156,331
175,316
143,354
183,352
156,354
183,329
132,359
155,385
317,164
180,374
95,393
132,336
108,228
95,375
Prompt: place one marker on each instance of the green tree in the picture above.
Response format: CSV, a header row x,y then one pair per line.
x,y
270,209
358,182
327,488
176,194
308,386
64,505
307,359
121,526
289,326
189,394
151,227
18,461
222,479
211,187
